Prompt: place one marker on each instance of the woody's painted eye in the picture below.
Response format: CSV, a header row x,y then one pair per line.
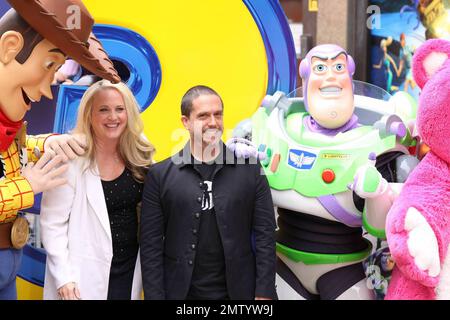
x,y
49,65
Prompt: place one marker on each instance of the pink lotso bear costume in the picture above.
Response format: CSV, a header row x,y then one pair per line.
x,y
418,224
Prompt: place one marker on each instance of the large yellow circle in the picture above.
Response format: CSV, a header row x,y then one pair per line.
x,y
215,43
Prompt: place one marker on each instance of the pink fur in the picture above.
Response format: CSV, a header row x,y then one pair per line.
x,y
434,45
428,187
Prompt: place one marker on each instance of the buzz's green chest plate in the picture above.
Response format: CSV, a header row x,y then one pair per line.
x,y
311,163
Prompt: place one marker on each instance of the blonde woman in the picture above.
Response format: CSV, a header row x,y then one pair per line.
x,y
89,226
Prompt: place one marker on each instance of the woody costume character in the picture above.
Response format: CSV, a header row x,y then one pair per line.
x,y
51,31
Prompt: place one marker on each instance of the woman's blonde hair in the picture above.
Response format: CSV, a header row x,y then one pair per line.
x,y
134,148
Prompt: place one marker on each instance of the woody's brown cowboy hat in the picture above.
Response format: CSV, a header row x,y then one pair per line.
x,y
68,25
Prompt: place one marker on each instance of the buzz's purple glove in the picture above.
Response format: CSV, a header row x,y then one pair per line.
x,y
244,148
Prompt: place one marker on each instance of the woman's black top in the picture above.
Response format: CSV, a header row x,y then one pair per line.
x,y
122,196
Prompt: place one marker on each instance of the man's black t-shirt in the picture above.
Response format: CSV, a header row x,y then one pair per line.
x,y
208,278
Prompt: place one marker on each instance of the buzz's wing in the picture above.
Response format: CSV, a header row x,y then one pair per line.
x,y
295,158
308,160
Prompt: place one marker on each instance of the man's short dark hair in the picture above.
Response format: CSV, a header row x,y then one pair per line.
x,y
192,94
12,21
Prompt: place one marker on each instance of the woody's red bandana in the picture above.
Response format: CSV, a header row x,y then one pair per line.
x,y
8,131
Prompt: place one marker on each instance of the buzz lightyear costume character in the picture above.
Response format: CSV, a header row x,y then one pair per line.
x,y
328,166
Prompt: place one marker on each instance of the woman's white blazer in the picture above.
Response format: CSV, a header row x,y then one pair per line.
x,y
76,234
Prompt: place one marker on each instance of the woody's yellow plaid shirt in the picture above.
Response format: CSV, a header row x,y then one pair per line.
x,y
15,191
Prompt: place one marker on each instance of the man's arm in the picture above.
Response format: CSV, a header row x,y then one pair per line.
x,y
152,238
264,231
